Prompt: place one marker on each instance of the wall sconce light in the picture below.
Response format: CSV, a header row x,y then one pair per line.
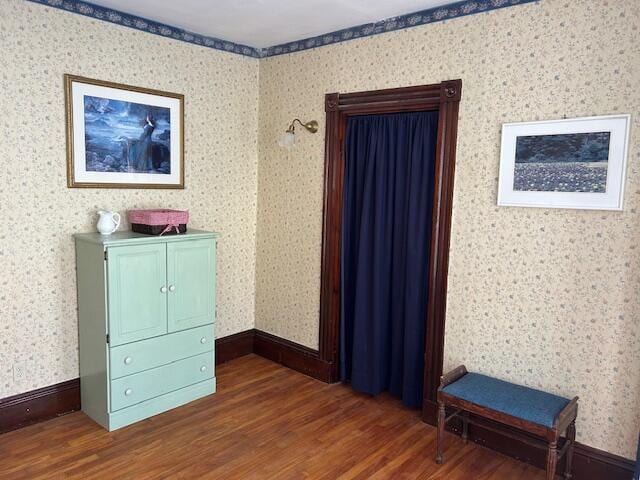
x,y
289,138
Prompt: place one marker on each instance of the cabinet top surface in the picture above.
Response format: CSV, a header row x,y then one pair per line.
x,y
133,237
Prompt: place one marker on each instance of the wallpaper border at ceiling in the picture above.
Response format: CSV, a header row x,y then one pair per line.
x,y
422,17
150,26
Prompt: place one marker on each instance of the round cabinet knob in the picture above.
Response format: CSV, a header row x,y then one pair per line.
x,y
128,360
203,340
163,289
203,368
172,288
128,392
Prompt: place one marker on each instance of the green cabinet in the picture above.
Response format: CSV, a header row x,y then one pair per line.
x,y
146,313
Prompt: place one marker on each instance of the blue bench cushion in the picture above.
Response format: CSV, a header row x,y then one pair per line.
x,y
515,400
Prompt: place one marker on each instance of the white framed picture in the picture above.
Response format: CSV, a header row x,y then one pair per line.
x,y
573,163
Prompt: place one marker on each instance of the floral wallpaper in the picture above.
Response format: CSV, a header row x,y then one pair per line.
x,y
546,298
38,325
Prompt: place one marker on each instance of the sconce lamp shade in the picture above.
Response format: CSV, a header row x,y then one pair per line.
x,y
287,140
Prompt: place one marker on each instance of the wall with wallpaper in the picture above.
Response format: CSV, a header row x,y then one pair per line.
x,y
548,298
39,213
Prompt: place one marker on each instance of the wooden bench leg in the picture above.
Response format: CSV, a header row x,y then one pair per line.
x,y
465,427
571,437
552,460
440,433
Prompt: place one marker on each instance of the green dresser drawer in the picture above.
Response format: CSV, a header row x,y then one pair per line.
x,y
154,352
127,391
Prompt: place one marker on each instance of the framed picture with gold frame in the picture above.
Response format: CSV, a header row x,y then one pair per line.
x,y
121,136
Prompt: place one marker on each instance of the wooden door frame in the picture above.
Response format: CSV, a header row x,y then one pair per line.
x,y
444,98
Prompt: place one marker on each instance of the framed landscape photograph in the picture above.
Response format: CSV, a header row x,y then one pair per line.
x,y
575,163
120,136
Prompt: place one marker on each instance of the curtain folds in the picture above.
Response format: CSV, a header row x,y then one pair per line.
x,y
386,231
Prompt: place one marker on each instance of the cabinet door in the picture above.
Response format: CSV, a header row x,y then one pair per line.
x,y
137,292
191,279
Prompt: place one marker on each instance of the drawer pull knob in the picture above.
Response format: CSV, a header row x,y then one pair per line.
x,y
172,288
203,340
128,392
203,368
128,360
163,289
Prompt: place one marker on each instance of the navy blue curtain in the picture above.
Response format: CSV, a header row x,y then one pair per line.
x,y
386,231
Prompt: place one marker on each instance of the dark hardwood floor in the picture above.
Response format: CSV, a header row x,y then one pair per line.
x,y
265,422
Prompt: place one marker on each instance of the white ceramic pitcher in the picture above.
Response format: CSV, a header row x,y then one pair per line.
x,y
108,222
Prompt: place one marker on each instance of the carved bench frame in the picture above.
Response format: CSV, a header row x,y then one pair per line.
x,y
564,423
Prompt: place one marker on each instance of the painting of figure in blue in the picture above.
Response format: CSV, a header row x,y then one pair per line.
x,y
571,162
126,137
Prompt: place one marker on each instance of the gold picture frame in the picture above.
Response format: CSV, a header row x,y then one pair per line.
x,y
101,135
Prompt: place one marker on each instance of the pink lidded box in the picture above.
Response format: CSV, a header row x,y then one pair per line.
x,y
159,221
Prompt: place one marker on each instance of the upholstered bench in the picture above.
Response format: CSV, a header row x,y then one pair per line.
x,y
533,411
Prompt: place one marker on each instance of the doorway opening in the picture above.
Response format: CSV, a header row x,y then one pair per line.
x,y
443,98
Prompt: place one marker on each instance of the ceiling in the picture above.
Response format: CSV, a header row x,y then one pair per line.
x,y
265,23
